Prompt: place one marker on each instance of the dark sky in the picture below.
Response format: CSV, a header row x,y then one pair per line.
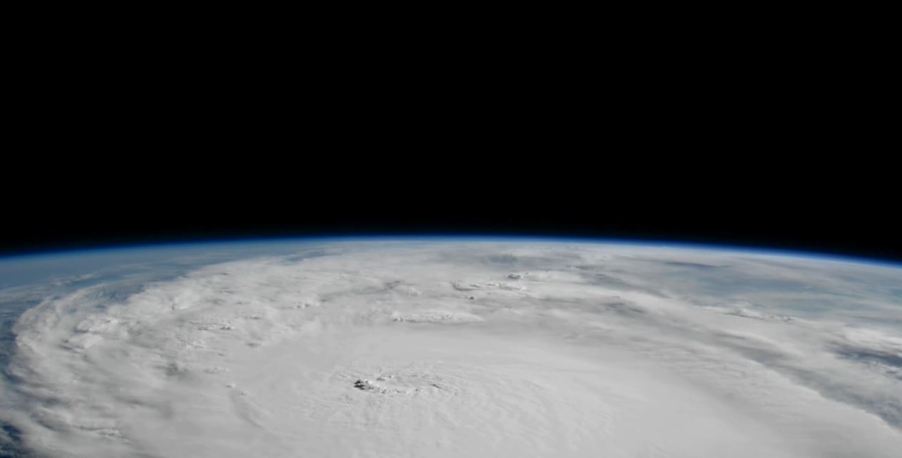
x,y
744,158
718,141
174,197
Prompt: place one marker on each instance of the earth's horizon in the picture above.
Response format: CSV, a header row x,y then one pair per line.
x,y
449,346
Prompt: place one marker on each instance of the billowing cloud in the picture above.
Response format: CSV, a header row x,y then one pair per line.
x,y
467,349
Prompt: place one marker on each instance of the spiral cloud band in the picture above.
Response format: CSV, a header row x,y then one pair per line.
x,y
469,349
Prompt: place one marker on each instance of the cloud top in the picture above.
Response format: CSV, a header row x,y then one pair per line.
x,y
468,349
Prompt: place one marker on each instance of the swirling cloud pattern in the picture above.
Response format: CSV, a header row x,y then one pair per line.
x,y
467,349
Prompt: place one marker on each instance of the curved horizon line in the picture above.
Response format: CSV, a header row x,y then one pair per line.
x,y
496,237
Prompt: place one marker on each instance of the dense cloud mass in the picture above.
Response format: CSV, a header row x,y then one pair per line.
x,y
467,349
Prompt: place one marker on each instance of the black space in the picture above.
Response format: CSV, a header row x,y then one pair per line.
x,y
169,197
690,149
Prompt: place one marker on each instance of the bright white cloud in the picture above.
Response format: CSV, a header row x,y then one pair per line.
x,y
470,350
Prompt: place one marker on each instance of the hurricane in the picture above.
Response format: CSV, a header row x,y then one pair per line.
x,y
452,348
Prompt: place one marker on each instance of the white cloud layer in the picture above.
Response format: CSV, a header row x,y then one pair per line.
x,y
469,349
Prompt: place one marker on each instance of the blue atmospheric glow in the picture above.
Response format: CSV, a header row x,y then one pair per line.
x,y
250,242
